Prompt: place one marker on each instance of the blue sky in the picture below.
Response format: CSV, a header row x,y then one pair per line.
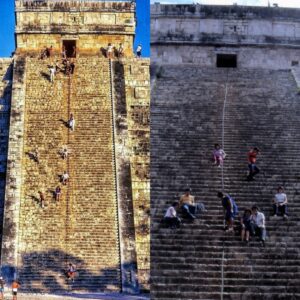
x,y
7,41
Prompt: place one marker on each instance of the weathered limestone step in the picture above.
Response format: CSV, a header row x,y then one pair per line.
x,y
82,227
186,122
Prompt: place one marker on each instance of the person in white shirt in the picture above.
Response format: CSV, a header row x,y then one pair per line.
x,y
71,122
110,51
139,51
65,178
280,203
171,218
258,226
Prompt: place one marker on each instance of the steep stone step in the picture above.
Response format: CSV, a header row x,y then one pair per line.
x,y
82,227
186,123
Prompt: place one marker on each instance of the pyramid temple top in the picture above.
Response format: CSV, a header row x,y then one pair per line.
x,y
92,24
81,5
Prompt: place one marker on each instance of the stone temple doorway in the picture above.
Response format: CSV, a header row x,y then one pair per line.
x,y
226,60
70,47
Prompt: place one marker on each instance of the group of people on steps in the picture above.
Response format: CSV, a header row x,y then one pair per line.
x,y
67,63
70,274
252,222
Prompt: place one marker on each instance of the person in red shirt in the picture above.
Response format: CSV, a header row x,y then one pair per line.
x,y
253,169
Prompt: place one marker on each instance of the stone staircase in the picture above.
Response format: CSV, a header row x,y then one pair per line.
x,y
262,110
83,227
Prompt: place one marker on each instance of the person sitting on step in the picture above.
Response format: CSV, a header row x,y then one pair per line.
x,y
187,204
171,218
218,155
35,155
252,157
280,203
230,210
246,225
258,226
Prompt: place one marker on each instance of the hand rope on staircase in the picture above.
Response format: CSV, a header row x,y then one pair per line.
x,y
113,118
67,220
222,181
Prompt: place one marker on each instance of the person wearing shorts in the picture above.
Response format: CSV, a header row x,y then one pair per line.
x,y
15,286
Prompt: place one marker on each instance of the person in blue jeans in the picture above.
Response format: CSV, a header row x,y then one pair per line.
x,y
246,225
230,210
187,204
252,157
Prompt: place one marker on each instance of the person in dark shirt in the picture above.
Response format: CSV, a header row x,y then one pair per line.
x,y
230,210
246,225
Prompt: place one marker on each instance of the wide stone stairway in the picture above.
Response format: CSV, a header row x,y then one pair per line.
x,y
200,260
82,228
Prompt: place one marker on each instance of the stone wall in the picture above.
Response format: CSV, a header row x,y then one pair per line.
x,y
132,116
62,20
102,222
225,24
14,166
137,93
39,241
85,43
6,66
296,74
268,37
247,57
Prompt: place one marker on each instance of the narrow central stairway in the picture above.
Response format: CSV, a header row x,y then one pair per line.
x,y
188,263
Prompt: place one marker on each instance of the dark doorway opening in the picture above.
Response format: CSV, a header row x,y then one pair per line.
x,y
226,60
70,47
